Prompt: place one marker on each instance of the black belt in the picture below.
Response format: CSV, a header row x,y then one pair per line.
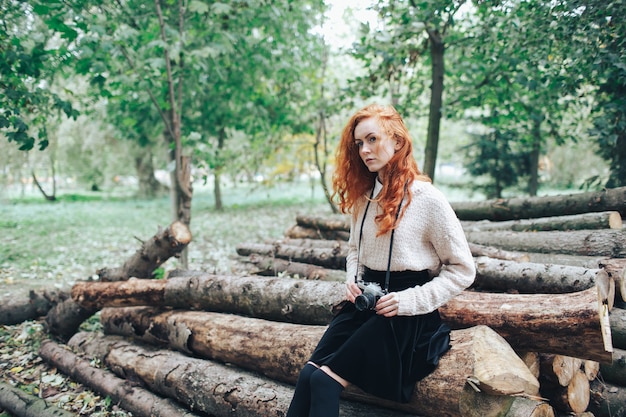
x,y
398,280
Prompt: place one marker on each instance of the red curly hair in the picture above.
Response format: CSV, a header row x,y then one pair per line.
x,y
352,180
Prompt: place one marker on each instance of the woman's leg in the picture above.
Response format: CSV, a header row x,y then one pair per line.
x,y
301,401
325,393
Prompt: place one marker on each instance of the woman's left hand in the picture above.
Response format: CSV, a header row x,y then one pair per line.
x,y
388,305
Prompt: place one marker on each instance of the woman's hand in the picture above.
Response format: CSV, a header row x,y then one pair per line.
x,y
352,291
388,305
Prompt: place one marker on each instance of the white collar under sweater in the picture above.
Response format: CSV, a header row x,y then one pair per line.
x,y
429,236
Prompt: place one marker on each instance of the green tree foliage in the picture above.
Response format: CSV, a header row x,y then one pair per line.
x,y
35,47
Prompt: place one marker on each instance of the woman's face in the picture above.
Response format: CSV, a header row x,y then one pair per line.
x,y
375,147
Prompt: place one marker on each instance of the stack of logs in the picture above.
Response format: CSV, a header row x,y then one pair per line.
x,y
539,334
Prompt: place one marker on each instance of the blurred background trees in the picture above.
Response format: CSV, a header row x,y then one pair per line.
x,y
508,97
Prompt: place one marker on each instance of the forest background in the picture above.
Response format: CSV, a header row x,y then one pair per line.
x,y
121,113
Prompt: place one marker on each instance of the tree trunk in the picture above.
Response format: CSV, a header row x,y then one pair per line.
x,y
279,299
212,388
526,277
607,400
533,207
22,404
615,372
328,223
152,253
497,253
478,352
333,258
274,266
558,369
609,243
585,221
591,262
437,50
567,324
66,317
300,232
128,395
618,327
16,308
572,398
148,185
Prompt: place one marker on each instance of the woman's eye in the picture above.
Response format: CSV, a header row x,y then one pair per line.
x,y
372,139
359,144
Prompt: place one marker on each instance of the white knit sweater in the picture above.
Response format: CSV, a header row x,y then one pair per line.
x,y
429,236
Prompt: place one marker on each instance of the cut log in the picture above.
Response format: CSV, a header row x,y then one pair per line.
x,y
616,268
534,207
334,258
617,319
531,359
65,318
585,221
591,369
22,404
572,398
477,352
209,387
607,400
567,324
591,262
279,299
527,277
337,222
137,400
267,266
18,307
299,232
558,369
167,243
496,253
609,243
615,372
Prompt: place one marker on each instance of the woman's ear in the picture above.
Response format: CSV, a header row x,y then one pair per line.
x,y
398,145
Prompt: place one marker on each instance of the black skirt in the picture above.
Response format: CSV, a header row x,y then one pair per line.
x,y
384,356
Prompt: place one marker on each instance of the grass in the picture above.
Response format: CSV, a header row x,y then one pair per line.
x,y
70,239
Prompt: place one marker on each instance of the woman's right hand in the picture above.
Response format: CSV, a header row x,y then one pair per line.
x,y
352,291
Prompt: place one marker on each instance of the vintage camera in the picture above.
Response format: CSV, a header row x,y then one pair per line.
x,y
370,295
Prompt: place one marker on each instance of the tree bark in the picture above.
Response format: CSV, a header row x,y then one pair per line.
x,y
274,266
66,317
478,352
573,398
279,299
22,404
336,222
152,253
497,253
567,324
584,221
333,258
534,207
527,277
16,308
615,372
617,319
609,243
607,400
301,232
212,388
137,400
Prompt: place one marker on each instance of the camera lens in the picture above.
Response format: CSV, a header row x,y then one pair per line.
x,y
364,301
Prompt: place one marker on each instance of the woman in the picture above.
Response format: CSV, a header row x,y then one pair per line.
x,y
407,240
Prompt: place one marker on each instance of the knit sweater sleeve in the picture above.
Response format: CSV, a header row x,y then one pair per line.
x,y
457,270
351,256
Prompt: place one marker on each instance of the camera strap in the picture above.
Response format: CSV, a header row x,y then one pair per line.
x,y
358,255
